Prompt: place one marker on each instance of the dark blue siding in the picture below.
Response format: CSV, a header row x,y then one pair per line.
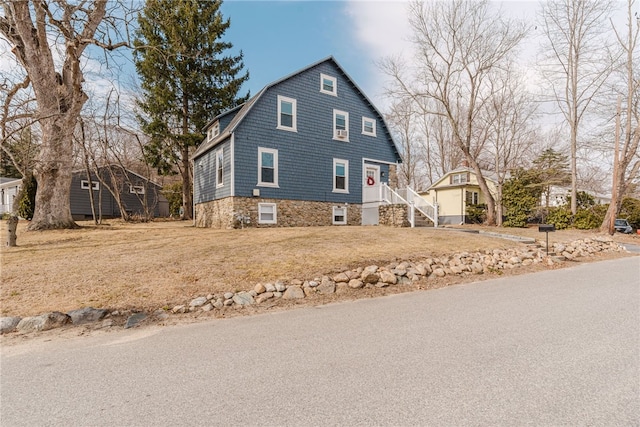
x,y
205,177
305,157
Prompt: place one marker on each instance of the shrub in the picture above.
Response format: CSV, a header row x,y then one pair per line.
x,y
27,197
560,217
173,194
630,209
587,219
476,214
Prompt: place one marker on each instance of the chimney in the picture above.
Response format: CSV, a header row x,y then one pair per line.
x,y
464,163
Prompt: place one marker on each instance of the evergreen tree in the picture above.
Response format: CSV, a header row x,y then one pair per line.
x,y
186,80
25,203
552,169
520,195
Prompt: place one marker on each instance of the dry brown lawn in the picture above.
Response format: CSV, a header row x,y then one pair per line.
x,y
162,264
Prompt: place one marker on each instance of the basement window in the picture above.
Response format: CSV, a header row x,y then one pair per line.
x,y
339,215
84,184
267,213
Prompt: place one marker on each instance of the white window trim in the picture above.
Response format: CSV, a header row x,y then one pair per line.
x,y
333,218
364,132
461,178
294,119
346,176
136,189
84,184
324,77
273,184
275,213
221,182
346,125
213,131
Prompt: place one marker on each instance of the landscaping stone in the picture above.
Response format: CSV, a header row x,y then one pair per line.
x,y
134,320
270,287
327,286
293,292
280,287
260,288
179,309
243,298
87,315
8,324
228,295
388,277
198,302
341,278
356,283
44,322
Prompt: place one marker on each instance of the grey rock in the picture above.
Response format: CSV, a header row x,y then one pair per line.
x,y
228,295
243,298
161,314
356,283
198,302
327,287
369,277
207,307
388,277
280,287
294,292
44,322
263,297
439,272
270,287
228,302
277,294
218,304
8,324
87,315
313,284
341,278
179,309
135,320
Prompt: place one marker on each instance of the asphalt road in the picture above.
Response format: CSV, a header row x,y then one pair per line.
x,y
555,348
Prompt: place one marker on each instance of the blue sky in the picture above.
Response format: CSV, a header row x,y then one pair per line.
x,y
281,37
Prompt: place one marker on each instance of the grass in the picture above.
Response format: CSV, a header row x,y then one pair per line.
x,y
162,264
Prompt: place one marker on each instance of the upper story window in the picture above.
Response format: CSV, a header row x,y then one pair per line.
x,y
84,184
340,176
213,131
136,189
219,168
267,167
340,125
286,113
368,126
328,85
459,178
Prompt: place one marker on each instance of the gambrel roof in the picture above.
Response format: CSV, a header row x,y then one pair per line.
x,y
244,109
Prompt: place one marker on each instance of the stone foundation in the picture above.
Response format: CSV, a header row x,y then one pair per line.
x,y
394,215
241,212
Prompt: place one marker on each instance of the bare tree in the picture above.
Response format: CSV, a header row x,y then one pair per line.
x,y
577,64
37,32
510,114
459,45
626,156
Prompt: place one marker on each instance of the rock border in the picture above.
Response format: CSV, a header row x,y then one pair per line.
x,y
393,274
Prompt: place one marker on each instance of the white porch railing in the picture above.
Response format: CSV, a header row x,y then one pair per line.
x,y
412,199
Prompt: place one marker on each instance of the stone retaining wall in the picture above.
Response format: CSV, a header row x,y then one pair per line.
x,y
393,274
394,215
240,212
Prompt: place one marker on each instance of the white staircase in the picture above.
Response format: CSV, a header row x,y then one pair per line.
x,y
413,200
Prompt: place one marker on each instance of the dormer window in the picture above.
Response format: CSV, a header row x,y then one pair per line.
x,y
459,178
368,126
328,85
213,131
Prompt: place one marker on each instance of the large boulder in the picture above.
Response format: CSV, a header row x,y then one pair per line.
x,y
8,324
87,315
44,322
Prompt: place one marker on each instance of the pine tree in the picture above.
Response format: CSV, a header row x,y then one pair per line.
x,y
186,80
552,169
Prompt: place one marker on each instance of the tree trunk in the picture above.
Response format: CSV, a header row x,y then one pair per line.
x,y
187,198
53,174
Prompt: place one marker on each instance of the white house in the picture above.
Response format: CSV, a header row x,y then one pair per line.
x,y
9,188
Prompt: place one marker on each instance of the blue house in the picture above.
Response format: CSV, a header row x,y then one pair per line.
x,y
309,149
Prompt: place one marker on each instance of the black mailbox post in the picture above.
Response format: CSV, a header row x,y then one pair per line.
x,y
546,228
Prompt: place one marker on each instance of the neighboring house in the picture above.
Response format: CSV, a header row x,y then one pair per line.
x,y
456,190
309,149
9,188
138,195
560,196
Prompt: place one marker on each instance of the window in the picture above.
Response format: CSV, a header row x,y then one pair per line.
x,y
219,168
286,113
267,167
340,125
459,178
472,197
267,213
328,85
368,126
340,176
213,131
136,189
340,215
84,184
